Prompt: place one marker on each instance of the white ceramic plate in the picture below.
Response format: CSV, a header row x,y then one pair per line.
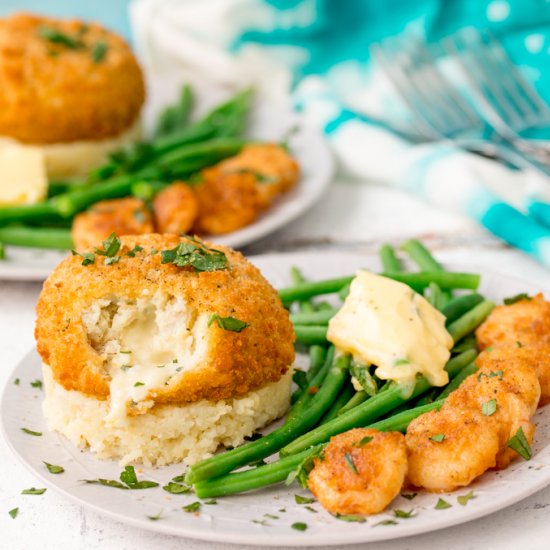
x,y
267,122
242,519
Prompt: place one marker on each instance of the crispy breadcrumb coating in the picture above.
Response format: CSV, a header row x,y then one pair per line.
x,y
82,83
175,209
236,362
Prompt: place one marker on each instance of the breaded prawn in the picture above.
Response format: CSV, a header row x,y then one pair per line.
x,y
175,209
128,216
361,471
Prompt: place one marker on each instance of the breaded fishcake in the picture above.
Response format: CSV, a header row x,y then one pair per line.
x,y
450,448
128,216
65,80
175,209
226,202
526,321
274,169
361,471
97,321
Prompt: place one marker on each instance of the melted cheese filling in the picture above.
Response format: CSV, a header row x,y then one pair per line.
x,y
385,323
145,345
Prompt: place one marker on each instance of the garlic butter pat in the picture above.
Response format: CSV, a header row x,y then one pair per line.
x,y
385,323
23,177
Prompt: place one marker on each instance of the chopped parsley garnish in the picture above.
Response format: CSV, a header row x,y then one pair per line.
x,y
349,461
193,507
442,505
299,377
403,361
270,516
311,509
88,258
53,469
213,501
386,522
155,517
364,441
489,407
259,176
13,512
99,51
111,245
492,374
113,260
409,496
303,500
402,514
260,522
127,477
137,384
37,384
352,518
299,526
520,444
33,491
301,472
463,499
438,438
196,255
56,36
31,432
519,344
16,381
175,488
227,323
132,253
363,376
517,298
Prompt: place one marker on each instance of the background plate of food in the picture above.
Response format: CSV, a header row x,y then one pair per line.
x,y
88,149
281,514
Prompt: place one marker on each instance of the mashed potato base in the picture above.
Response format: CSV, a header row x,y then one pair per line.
x,y
167,433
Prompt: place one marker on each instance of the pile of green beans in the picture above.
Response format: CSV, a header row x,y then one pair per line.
x,y
178,150
328,403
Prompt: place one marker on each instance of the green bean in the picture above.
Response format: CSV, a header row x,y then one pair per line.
x,y
457,380
317,357
389,260
470,320
57,187
315,381
345,395
278,471
344,292
2,251
460,305
146,190
436,297
311,334
357,399
372,409
314,318
256,450
420,255
39,237
297,277
468,342
29,212
304,291
429,397
175,117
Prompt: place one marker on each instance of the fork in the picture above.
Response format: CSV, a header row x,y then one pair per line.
x,y
442,111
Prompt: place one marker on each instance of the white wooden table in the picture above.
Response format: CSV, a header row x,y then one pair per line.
x,y
350,213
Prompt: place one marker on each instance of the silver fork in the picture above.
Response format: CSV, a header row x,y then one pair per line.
x,y
442,111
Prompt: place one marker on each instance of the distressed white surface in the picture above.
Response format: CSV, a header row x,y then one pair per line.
x,y
349,213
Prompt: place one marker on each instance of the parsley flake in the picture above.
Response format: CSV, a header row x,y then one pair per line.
x,y
352,518
138,384
438,438
17,381
195,254
463,499
270,516
132,253
489,407
364,441
128,477
301,472
213,501
402,514
349,461
299,526
227,323
106,483
517,298
193,507
31,432
111,245
99,51
155,517
56,36
520,444
88,258
37,384
13,512
53,469
386,522
409,496
175,488
303,500
33,491
442,505
311,509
